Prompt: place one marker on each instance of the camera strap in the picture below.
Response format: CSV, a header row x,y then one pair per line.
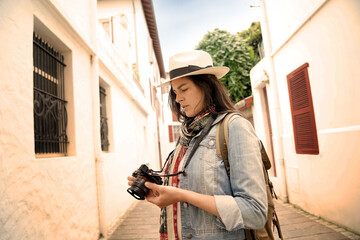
x,y
204,132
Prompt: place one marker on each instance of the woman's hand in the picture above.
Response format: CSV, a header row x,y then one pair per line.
x,y
130,179
163,196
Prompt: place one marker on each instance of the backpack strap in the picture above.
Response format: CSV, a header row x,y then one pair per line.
x,y
222,140
265,158
249,234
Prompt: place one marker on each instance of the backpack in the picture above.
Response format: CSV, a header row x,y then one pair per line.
x,y
265,233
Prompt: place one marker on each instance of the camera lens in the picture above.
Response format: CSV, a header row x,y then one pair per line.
x,y
138,189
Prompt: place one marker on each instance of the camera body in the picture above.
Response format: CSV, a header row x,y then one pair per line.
x,y
142,175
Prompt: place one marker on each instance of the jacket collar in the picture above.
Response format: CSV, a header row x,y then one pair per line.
x,y
216,121
219,118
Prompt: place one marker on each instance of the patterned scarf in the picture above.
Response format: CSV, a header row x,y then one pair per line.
x,y
189,129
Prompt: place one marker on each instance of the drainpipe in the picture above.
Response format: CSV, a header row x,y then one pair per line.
x,y
99,160
279,131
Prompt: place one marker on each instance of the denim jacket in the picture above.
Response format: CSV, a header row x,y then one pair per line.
x,y
241,200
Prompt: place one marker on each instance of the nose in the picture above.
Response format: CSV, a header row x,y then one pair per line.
x,y
178,98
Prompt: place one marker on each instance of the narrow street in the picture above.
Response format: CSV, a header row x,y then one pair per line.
x,y
299,225
141,222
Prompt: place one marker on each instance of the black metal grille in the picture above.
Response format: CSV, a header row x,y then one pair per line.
x,y
103,121
50,116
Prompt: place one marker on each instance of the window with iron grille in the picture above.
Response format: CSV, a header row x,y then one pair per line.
x,y
302,111
50,116
104,130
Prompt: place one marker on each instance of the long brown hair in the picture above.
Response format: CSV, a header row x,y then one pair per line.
x,y
216,98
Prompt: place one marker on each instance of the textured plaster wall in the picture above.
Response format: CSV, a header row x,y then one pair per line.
x,y
285,17
79,195
260,78
43,198
133,120
123,159
166,146
326,184
81,14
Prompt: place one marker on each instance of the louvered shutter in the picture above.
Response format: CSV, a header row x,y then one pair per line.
x,y
302,111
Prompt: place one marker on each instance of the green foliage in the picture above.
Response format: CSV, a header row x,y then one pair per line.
x,y
232,51
252,37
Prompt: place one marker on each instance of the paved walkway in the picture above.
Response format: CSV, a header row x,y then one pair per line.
x,y
141,222
299,225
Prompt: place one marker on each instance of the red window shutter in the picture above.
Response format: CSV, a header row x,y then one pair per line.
x,y
171,138
302,111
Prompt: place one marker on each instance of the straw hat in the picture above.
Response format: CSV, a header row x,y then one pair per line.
x,y
193,62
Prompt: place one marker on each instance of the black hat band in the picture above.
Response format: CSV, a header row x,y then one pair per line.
x,y
185,70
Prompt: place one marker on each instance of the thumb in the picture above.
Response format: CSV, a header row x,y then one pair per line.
x,y
154,191
150,185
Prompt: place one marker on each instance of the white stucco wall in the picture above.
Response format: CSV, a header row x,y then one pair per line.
x,y
121,160
83,194
286,16
133,119
333,77
167,146
261,77
322,33
44,198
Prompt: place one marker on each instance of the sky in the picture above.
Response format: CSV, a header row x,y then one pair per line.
x,y
183,23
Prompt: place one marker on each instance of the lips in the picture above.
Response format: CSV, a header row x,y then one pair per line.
x,y
184,107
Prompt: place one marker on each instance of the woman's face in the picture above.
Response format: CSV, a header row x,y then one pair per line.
x,y
188,95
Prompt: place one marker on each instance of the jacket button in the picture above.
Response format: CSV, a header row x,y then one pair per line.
x,y
185,205
188,236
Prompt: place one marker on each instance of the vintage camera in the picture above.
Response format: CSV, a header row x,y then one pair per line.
x,y
143,174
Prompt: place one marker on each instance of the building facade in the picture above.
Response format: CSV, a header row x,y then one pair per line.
x,y
305,90
79,113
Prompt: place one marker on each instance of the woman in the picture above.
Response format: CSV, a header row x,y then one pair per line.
x,y
204,202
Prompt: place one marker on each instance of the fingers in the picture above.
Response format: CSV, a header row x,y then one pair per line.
x,y
153,197
130,180
154,193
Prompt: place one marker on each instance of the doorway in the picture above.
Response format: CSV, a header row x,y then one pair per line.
x,y
268,130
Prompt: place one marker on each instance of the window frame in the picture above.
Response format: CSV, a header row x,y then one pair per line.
x,y
104,121
50,111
